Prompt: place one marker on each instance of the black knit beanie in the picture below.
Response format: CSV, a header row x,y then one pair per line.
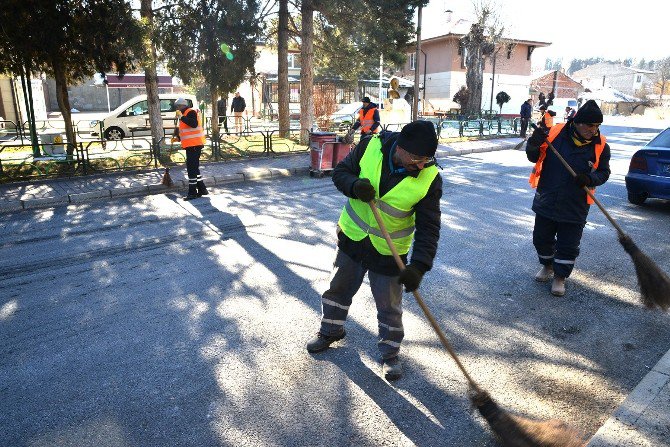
x,y
418,138
589,113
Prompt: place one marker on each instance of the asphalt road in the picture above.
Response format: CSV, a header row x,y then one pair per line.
x,y
153,321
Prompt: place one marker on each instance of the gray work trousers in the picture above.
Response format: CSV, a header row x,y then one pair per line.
x,y
346,279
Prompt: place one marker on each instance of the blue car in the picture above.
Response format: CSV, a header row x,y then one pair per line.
x,y
649,171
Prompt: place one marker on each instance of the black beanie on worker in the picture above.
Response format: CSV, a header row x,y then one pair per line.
x,y
589,113
418,138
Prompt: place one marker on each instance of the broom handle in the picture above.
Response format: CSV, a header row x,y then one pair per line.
x,y
588,191
417,296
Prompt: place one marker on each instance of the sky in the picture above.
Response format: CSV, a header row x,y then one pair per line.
x,y
577,29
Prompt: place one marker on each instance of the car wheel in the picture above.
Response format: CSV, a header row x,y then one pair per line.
x,y
114,133
637,198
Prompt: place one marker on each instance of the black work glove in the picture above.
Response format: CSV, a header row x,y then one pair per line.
x,y
410,278
364,190
583,180
537,138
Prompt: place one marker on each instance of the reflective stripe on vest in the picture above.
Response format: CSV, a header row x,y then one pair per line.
x,y
535,174
191,136
366,118
396,207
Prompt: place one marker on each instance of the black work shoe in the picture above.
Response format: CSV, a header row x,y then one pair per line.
x,y
190,197
392,368
203,193
322,342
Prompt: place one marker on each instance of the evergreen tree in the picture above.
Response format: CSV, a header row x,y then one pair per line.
x,y
69,40
213,39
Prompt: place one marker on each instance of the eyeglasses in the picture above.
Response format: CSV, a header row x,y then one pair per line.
x,y
423,160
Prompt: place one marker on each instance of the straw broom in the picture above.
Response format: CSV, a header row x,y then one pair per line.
x,y
653,282
512,430
167,180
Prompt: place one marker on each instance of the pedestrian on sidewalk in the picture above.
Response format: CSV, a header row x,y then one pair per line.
x,y
569,113
222,109
526,113
561,205
192,136
400,173
238,106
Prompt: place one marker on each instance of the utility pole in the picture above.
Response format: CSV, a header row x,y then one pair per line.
x,y
415,98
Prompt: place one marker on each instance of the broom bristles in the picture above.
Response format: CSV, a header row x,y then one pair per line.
x,y
167,180
515,431
653,282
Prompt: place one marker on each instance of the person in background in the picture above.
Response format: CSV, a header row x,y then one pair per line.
x,y
547,119
222,109
569,113
238,106
192,136
368,119
526,113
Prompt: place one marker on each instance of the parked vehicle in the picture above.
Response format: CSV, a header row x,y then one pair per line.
x,y
649,171
132,117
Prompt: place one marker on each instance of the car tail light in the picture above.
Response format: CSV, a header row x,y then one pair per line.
x,y
638,163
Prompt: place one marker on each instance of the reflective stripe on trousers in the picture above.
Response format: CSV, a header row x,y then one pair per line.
x,y
557,244
346,278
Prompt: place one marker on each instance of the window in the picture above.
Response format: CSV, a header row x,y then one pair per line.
x,y
638,78
293,60
167,105
412,61
140,108
464,55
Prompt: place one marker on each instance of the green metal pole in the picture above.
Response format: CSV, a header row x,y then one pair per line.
x,y
33,134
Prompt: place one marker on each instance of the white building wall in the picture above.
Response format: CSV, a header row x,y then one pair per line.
x,y
444,85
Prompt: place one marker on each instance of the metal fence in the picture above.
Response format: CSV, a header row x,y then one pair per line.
x,y
257,139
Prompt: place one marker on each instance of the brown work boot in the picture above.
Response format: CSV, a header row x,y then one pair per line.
x,y
322,342
558,286
545,273
392,368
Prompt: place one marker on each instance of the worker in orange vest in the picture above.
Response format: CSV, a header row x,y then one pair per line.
x,y
192,136
547,119
368,119
561,205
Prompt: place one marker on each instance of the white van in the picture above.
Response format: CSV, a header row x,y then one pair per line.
x,y
132,117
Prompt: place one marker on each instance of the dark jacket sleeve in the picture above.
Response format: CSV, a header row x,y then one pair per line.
x,y
602,174
190,119
346,173
428,223
377,121
532,152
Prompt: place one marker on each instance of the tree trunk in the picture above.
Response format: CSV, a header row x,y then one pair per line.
x,y
64,106
307,71
474,79
282,73
150,75
214,100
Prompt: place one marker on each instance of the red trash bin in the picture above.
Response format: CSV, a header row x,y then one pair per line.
x,y
321,152
340,150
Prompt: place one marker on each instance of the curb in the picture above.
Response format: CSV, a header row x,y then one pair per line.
x,y
245,175
628,424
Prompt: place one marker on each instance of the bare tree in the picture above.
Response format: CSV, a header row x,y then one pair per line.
x,y
662,75
306,71
480,43
149,62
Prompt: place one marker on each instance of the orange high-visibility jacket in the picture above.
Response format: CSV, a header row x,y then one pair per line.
x,y
366,118
547,119
191,136
534,178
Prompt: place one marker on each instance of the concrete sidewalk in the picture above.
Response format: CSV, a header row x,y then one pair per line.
x,y
643,419
51,192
